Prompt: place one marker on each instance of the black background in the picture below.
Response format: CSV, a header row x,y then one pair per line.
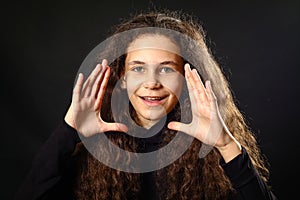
x,y
44,43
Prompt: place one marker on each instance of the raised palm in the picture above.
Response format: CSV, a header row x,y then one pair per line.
x,y
87,101
207,125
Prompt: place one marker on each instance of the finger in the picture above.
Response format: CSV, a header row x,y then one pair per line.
x,y
197,95
210,92
115,127
191,78
188,75
77,88
213,98
104,62
91,80
199,86
84,88
191,87
193,83
99,79
102,88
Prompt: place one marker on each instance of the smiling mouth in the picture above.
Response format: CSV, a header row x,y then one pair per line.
x,y
153,100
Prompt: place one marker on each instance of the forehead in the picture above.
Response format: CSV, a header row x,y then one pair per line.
x,y
153,41
153,57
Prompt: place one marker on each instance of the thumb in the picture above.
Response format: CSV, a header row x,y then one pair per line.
x,y
116,127
178,126
185,128
174,126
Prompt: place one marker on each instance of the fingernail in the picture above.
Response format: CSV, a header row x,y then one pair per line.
x,y
104,62
187,66
208,84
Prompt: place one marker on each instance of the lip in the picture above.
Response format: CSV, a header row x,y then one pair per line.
x,y
153,100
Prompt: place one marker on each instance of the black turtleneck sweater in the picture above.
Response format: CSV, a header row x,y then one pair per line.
x,y
52,172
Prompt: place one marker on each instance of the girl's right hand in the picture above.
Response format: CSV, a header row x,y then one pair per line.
x,y
84,113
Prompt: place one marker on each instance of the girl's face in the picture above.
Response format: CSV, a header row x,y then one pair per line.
x,y
153,77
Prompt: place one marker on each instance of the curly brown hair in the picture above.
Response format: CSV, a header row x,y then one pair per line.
x,y
189,177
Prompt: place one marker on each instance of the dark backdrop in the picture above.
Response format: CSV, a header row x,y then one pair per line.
x,y
44,43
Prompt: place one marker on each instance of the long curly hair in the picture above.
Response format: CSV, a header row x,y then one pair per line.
x,y
189,177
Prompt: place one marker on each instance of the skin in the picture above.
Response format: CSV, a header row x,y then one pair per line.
x,y
207,124
153,78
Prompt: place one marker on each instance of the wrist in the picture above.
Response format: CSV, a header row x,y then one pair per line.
x,y
230,149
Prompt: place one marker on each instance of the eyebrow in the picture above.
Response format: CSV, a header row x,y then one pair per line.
x,y
137,62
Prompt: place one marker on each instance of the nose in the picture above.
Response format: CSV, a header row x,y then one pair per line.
x,y
152,81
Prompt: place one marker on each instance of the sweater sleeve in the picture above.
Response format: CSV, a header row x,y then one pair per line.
x,y
246,180
50,164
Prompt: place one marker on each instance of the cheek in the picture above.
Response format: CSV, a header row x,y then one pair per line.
x,y
131,87
174,85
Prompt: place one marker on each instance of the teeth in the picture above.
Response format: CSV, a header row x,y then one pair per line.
x,y
152,98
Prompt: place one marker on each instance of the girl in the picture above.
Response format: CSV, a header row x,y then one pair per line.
x,y
166,87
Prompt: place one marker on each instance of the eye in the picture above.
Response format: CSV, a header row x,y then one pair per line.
x,y
138,69
167,70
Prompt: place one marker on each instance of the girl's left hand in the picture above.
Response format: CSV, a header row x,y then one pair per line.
x,y
207,124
